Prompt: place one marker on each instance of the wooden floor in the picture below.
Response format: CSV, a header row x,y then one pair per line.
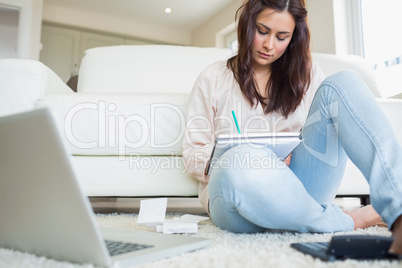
x,y
132,205
176,205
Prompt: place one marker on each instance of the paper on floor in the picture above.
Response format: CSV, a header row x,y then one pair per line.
x,y
186,224
175,227
152,212
191,218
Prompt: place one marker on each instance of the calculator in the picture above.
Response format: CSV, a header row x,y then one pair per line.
x,y
349,247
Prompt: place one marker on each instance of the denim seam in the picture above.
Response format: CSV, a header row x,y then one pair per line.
x,y
377,145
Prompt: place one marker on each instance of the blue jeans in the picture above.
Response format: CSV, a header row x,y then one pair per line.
x,y
254,191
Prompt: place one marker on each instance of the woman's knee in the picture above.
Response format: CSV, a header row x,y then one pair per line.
x,y
224,181
238,166
347,82
344,76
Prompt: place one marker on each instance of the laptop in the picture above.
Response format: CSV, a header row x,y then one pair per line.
x,y
44,210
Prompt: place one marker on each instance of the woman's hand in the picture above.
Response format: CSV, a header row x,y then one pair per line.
x,y
287,160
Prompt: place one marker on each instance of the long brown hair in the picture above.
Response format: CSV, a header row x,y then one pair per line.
x,y
290,74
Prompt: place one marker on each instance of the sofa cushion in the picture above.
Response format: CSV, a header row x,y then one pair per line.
x,y
134,176
23,82
331,64
149,68
121,124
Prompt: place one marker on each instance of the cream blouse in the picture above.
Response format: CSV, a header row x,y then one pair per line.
x,y
215,95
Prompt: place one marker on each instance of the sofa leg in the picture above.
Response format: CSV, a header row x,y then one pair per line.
x,y
365,200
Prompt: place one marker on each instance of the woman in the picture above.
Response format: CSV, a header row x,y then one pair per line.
x,y
272,85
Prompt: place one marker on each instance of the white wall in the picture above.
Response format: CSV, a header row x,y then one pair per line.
x,y
335,26
92,21
29,26
321,22
206,34
8,33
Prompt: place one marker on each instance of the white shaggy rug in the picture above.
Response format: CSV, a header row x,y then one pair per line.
x,y
226,250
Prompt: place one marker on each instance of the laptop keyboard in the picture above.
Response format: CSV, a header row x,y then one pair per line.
x,y
317,246
118,247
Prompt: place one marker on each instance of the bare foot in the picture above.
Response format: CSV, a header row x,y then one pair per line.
x,y
396,246
365,217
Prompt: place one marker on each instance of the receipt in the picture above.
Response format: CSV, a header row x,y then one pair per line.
x,y
191,218
153,212
175,227
186,224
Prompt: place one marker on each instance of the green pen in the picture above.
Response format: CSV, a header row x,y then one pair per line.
x,y
235,120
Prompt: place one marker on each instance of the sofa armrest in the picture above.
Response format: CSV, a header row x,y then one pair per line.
x,y
331,64
354,183
393,110
23,81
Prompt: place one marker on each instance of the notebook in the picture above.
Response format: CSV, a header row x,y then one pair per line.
x,y
44,210
281,143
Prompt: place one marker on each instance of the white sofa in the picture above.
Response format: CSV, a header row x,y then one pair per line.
x,y
125,124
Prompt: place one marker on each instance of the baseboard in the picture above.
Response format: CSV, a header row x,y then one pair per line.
x,y
179,204
132,205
